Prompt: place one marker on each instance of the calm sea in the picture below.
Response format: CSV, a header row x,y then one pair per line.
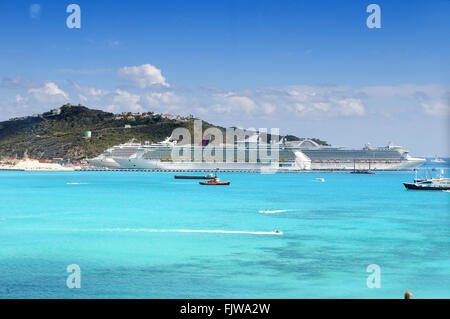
x,y
147,235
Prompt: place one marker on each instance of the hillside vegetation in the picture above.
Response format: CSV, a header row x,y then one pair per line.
x,y
50,135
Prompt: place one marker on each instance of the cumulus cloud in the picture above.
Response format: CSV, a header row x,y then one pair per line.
x,y
231,102
163,101
144,76
351,106
38,99
49,93
308,102
123,100
436,108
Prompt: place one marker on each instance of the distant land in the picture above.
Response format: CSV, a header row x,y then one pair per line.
x,y
60,132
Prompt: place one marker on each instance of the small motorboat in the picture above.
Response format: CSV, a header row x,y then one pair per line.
x,y
362,171
437,160
215,181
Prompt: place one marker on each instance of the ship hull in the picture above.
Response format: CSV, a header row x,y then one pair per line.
x,y
139,163
103,163
409,164
411,186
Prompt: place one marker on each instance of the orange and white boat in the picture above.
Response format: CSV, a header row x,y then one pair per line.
x,y
215,181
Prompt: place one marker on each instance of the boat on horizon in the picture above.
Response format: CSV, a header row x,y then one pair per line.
x,y
440,183
361,171
435,184
209,176
436,159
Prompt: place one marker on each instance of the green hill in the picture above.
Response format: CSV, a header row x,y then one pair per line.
x,y
62,135
60,132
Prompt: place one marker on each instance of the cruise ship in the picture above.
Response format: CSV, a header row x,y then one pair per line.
x,y
253,155
106,159
320,157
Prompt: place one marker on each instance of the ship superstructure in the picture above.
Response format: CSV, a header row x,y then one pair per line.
x,y
390,157
247,155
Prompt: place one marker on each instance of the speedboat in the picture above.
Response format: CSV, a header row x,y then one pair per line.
x,y
215,181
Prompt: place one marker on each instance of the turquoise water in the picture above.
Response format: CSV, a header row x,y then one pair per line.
x,y
122,229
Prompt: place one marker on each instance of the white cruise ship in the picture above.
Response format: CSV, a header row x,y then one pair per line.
x,y
106,159
252,155
320,157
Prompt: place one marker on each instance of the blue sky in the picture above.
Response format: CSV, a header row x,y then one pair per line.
x,y
311,68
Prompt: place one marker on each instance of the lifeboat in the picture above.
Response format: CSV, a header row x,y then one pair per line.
x,y
215,181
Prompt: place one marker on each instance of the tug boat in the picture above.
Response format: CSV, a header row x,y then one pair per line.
x,y
215,181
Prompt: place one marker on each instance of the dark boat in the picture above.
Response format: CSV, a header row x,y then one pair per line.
x,y
361,171
210,176
427,187
431,184
215,181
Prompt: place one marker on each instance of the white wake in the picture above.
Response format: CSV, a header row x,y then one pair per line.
x,y
150,230
266,211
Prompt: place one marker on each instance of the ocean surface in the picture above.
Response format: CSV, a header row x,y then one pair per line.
x,y
147,235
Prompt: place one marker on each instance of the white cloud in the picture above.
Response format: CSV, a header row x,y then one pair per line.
x,y
268,108
144,76
158,98
231,102
250,105
124,100
35,11
351,106
49,93
321,106
436,108
113,44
